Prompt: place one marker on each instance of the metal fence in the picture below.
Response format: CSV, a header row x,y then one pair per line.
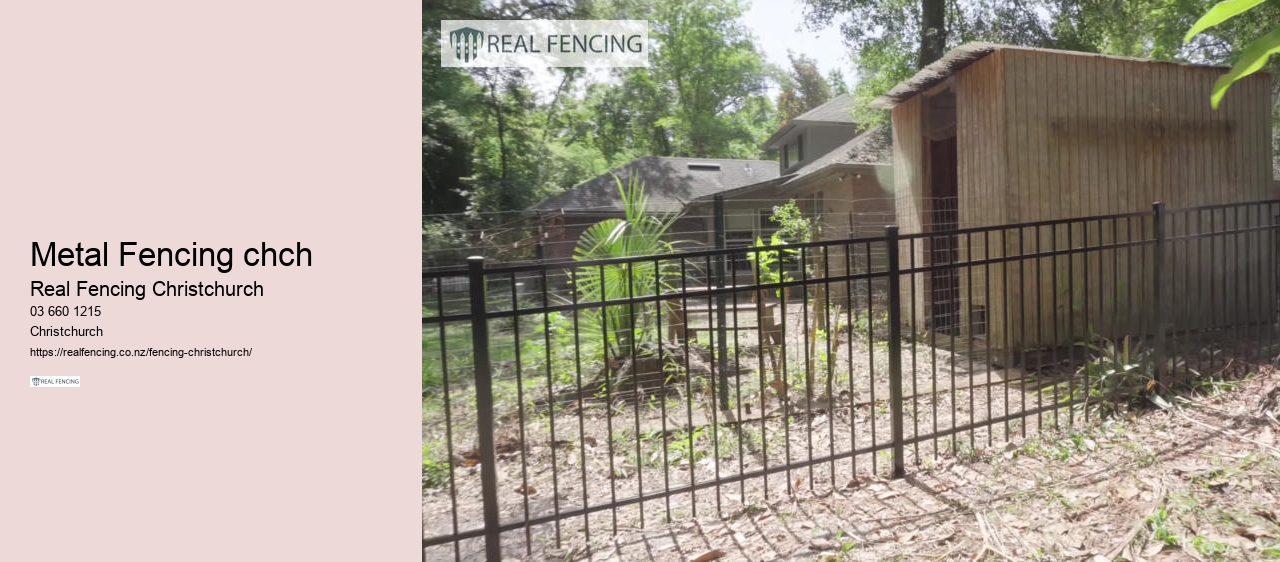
x,y
562,400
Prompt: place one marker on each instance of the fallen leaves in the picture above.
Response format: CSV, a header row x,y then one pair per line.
x,y
1253,533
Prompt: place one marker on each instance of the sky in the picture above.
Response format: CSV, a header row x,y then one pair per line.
x,y
776,26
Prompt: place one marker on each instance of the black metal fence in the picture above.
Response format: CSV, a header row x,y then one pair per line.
x,y
648,389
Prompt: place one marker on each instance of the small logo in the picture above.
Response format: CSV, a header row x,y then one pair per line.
x,y
466,42
54,382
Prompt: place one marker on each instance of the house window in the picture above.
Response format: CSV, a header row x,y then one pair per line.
x,y
786,150
799,148
792,155
767,226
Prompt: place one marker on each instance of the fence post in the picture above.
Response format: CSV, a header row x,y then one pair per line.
x,y
1157,226
895,352
484,408
722,345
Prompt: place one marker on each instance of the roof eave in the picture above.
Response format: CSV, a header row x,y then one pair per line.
x,y
965,55
772,142
749,188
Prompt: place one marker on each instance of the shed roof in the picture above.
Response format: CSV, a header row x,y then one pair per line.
x,y
670,183
957,59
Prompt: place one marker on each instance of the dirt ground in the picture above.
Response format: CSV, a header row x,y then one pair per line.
x,y
546,479
1197,481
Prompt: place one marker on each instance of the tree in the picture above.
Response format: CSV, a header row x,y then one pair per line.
x,y
804,88
933,31
710,64
449,104
483,143
836,80
491,145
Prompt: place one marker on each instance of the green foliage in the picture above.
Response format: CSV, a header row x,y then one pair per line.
x,y
793,226
835,79
768,262
1158,524
1270,550
709,63
1254,57
803,89
680,446
1115,374
444,242
572,349
1251,60
636,234
1220,12
435,472
1208,547
490,144
449,104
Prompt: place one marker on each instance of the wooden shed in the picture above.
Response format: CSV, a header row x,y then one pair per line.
x,y
995,135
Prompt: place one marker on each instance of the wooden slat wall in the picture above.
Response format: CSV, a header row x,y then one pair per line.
x,y
980,133
1047,135
908,181
1089,136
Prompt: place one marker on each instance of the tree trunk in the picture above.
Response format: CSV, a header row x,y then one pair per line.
x,y
933,30
502,131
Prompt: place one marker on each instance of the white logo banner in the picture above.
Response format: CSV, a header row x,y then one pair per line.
x,y
544,43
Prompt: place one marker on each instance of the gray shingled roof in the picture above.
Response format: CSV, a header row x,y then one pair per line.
x,y
871,148
960,57
835,111
874,147
669,184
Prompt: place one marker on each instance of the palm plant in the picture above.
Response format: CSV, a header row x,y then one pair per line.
x,y
637,234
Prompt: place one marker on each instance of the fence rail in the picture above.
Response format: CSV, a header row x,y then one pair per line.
x,y
562,399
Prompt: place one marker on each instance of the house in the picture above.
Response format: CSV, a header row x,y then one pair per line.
x,y
831,170
670,183
996,134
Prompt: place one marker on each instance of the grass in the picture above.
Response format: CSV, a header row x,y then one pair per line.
x,y
435,472
456,353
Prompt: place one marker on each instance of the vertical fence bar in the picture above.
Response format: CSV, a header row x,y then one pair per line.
x,y
484,409
895,353
1157,227
722,335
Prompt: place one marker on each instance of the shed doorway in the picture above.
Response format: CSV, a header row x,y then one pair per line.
x,y
943,211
